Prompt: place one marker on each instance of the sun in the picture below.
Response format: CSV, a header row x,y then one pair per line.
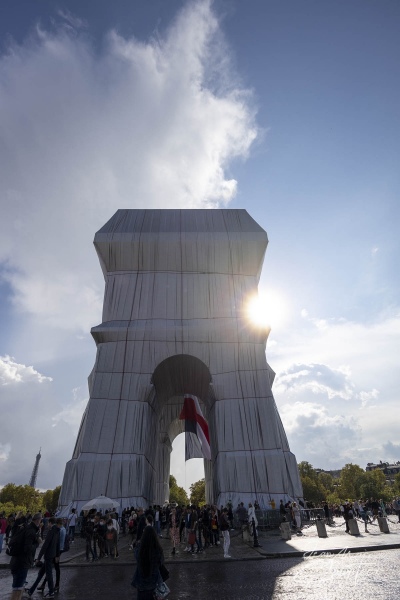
x,y
266,309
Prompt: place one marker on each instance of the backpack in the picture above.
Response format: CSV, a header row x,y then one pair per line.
x,y
16,542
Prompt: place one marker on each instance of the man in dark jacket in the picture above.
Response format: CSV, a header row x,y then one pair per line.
x,y
50,551
24,561
141,521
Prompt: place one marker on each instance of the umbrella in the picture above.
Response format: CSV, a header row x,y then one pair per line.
x,y
101,503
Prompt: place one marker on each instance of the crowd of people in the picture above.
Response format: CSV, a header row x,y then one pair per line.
x,y
24,535
196,528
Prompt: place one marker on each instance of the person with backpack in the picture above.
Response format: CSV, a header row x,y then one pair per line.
x,y
64,547
50,551
22,548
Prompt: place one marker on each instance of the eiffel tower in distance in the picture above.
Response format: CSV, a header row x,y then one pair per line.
x,y
32,481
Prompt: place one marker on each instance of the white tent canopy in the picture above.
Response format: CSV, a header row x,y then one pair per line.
x,y
102,503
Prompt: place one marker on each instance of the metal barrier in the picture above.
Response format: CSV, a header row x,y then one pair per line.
x,y
310,515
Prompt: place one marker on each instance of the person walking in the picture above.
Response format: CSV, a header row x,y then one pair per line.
x,y
56,563
251,516
296,517
173,530
242,516
3,528
50,552
24,559
111,540
150,557
72,524
224,527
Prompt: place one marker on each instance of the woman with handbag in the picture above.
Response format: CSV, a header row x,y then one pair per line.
x,y
150,558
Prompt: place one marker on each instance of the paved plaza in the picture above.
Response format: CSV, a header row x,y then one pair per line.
x,y
347,569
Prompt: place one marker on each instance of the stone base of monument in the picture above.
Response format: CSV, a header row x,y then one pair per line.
x,y
321,529
383,524
353,526
286,533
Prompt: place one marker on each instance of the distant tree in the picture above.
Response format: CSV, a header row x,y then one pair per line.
x,y
396,486
176,493
198,493
21,497
326,481
316,485
312,491
351,479
50,499
307,470
374,485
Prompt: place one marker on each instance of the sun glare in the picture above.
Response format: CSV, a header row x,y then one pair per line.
x,y
267,309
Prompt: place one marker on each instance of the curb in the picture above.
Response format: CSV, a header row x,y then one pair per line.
x,y
328,551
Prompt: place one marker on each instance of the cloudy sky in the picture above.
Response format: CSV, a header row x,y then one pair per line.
x,y
287,108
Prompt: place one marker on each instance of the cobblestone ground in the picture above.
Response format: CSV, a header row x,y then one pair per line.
x,y
363,576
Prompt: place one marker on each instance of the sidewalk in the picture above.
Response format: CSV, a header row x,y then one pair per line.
x,y
338,541
271,546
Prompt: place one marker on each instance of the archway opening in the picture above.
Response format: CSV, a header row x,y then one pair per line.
x,y
174,378
185,472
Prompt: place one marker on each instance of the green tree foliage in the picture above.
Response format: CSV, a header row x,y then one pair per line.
x,y
15,498
307,470
373,485
326,481
312,491
198,493
23,496
176,493
351,479
50,499
316,486
396,486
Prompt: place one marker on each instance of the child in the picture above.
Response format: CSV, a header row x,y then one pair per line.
x,y
111,540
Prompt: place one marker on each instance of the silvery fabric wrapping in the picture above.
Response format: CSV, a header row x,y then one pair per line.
x,y
176,282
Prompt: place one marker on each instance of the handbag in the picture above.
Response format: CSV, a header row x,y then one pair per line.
x,y
191,538
164,572
161,591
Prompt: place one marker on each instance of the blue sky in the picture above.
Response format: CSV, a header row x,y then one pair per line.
x,y
286,108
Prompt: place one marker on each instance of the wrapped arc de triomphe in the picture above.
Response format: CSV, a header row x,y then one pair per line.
x,y
173,324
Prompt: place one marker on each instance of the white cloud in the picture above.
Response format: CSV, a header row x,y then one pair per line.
x,y
337,389
318,379
13,372
151,124
27,408
141,124
318,435
4,451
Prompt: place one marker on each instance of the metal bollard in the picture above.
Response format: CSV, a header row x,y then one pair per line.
x,y
255,544
383,525
321,529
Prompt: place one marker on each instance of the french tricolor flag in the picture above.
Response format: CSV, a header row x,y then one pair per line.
x,y
197,438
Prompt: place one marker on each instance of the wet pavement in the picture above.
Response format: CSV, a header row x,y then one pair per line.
x,y
358,576
278,569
